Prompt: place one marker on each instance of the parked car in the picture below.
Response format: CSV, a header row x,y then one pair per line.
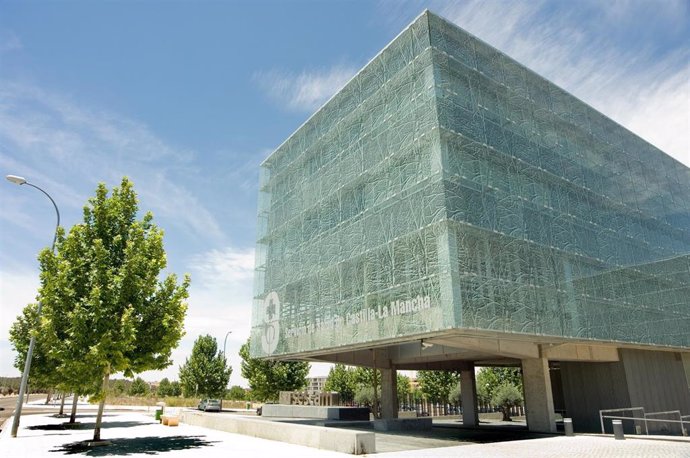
x,y
209,405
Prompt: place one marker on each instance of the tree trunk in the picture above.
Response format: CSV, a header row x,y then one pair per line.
x,y
50,395
62,405
73,414
506,413
101,406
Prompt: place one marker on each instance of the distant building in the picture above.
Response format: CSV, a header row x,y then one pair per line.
x,y
451,208
316,385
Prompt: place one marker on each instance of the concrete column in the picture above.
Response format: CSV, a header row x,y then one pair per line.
x,y
538,397
389,394
468,393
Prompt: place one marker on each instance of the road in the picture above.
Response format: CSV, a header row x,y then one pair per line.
x,y
8,403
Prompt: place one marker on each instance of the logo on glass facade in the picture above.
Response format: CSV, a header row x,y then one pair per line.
x,y
270,323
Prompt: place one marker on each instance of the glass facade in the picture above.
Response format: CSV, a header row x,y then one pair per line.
x,y
447,186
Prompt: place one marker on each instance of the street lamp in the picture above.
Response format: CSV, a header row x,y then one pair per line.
x,y
226,361
29,354
225,342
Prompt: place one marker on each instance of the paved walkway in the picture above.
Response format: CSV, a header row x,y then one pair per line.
x,y
136,434
139,435
572,447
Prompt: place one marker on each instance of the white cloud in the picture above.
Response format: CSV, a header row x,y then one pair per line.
x,y
660,113
227,266
175,202
221,293
17,289
61,143
220,300
55,141
637,86
305,91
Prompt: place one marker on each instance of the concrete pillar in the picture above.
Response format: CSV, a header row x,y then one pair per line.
x,y
389,394
468,393
538,397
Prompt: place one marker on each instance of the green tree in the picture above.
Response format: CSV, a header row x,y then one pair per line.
x,y
341,380
237,393
417,394
268,378
404,388
367,377
106,308
175,389
490,378
44,367
437,385
364,395
163,388
506,396
205,374
455,396
139,387
118,387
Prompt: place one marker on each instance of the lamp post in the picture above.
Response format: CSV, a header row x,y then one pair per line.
x,y
29,354
225,341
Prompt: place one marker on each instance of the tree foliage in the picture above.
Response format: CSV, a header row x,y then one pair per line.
x,y
164,388
268,378
106,309
437,385
403,386
490,378
175,389
506,396
455,396
167,388
205,374
348,380
236,393
364,395
366,376
139,387
341,379
118,387
44,367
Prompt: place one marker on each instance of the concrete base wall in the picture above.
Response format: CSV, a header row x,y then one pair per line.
x,y
590,387
320,412
338,440
654,380
403,424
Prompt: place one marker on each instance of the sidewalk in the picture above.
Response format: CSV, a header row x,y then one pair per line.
x,y
137,434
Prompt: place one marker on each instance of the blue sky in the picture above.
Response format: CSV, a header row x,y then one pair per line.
x,y
187,98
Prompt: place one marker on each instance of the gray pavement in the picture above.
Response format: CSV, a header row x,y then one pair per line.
x,y
580,446
137,434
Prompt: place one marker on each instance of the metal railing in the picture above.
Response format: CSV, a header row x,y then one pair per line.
x,y
645,418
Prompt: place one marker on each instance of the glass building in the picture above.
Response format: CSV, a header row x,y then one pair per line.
x,y
448,193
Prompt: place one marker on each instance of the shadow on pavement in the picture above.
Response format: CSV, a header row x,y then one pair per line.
x,y
90,425
151,445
